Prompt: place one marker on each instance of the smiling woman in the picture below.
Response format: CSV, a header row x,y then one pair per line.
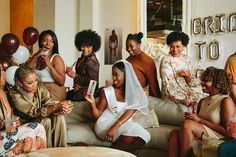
x,y
87,66
178,80
49,65
32,103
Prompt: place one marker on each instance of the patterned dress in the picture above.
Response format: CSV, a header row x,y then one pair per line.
x,y
24,139
174,87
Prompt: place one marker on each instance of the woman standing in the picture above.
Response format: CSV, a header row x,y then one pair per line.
x,y
87,66
49,65
143,65
32,103
178,81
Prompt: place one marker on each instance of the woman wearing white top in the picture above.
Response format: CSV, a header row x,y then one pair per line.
x,y
49,65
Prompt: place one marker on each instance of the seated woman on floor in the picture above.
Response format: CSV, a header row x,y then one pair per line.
x,y
116,106
213,114
25,138
32,103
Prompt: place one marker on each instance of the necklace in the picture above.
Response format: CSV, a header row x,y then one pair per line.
x,y
210,101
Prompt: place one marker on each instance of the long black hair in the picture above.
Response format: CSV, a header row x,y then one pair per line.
x,y
54,38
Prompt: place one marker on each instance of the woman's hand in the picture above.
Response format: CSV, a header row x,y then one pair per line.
x,y
70,72
192,116
47,60
65,106
76,87
90,99
186,74
111,133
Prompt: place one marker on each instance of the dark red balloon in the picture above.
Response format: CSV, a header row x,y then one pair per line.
x,y
10,42
3,52
6,62
30,36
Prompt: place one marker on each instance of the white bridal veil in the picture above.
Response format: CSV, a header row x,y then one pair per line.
x,y
134,93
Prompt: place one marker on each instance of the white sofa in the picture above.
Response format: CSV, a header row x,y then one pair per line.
x,y
80,127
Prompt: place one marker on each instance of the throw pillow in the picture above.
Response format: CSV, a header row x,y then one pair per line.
x,y
147,121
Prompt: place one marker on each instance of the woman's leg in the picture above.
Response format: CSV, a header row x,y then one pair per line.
x,y
128,143
174,143
190,130
46,122
59,127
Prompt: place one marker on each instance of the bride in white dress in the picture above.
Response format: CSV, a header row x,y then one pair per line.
x,y
116,106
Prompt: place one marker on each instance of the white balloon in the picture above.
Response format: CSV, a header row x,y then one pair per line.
x,y
10,74
21,55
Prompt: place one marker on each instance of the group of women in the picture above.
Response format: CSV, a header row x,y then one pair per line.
x,y
39,97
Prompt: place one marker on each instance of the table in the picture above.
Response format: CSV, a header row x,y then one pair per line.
x,y
80,151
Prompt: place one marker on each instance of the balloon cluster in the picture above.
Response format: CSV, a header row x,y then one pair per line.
x,y
12,51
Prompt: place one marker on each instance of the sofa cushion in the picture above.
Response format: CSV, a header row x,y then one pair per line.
x,y
83,132
159,137
147,121
167,113
81,112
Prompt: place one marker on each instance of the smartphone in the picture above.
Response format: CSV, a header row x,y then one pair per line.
x,y
45,52
92,87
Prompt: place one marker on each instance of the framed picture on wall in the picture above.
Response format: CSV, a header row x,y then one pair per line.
x,y
113,45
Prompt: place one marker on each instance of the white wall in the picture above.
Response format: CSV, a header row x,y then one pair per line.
x,y
121,14
44,15
85,16
66,25
4,17
204,8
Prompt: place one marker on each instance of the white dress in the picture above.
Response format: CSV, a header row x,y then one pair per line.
x,y
114,110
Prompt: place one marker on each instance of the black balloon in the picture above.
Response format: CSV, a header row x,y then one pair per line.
x,y
10,42
30,36
3,52
6,62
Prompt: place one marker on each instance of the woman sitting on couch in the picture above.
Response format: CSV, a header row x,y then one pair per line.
x,y
117,105
25,138
32,102
213,114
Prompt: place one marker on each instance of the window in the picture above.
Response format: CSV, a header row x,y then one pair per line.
x,y
163,16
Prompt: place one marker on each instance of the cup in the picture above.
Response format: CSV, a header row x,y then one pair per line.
x,y
233,126
10,123
197,148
